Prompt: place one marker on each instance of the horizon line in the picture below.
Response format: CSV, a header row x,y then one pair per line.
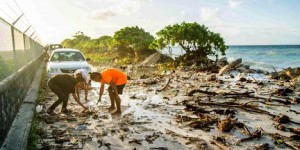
x,y
265,45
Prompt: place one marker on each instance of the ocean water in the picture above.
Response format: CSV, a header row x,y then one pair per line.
x,y
263,57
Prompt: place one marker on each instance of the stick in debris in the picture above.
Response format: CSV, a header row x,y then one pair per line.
x,y
274,69
215,93
159,90
247,130
255,134
220,145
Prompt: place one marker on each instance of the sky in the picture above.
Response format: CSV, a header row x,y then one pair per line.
x,y
240,22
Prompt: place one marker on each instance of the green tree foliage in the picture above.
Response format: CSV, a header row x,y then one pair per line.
x,y
99,50
68,43
127,45
133,41
78,41
196,40
104,43
80,37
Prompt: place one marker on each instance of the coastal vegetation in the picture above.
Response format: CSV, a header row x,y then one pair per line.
x,y
196,40
131,45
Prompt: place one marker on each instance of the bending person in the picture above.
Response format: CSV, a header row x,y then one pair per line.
x,y
86,87
62,85
117,80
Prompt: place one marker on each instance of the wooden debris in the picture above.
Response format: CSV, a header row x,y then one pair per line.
x,y
162,89
280,139
151,138
256,134
282,119
264,146
235,105
203,122
181,118
220,139
200,143
296,112
58,132
204,125
220,145
295,137
270,98
224,111
136,141
215,93
296,100
158,148
292,145
283,91
194,108
295,130
61,140
243,79
226,124
280,127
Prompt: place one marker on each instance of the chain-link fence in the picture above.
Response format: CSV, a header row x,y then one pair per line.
x,y
21,54
16,49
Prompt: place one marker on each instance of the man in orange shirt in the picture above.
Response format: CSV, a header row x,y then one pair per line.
x,y
117,80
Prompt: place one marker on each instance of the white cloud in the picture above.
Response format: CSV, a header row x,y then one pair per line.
x,y
102,14
234,3
210,13
114,8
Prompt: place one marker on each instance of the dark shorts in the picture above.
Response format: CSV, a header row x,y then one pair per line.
x,y
119,88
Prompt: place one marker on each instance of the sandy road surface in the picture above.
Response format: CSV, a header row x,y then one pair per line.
x,y
153,119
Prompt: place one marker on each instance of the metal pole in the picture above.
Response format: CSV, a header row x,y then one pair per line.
x,y
25,48
32,34
14,47
17,20
27,29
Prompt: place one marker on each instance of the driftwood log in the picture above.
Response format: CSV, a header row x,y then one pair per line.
x,y
215,93
248,94
248,108
236,105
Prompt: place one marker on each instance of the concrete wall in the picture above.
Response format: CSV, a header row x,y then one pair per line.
x,y
13,90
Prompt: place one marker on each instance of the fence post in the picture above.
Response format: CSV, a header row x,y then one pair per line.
x,y
25,50
14,47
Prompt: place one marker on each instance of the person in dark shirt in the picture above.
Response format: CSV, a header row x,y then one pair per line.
x,y
62,85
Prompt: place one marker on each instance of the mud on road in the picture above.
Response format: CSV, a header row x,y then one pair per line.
x,y
160,112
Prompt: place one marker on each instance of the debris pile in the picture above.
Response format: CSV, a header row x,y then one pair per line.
x,y
183,109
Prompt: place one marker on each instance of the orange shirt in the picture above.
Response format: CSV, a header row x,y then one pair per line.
x,y
114,75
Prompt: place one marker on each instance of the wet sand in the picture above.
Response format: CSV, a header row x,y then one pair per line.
x,y
154,117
